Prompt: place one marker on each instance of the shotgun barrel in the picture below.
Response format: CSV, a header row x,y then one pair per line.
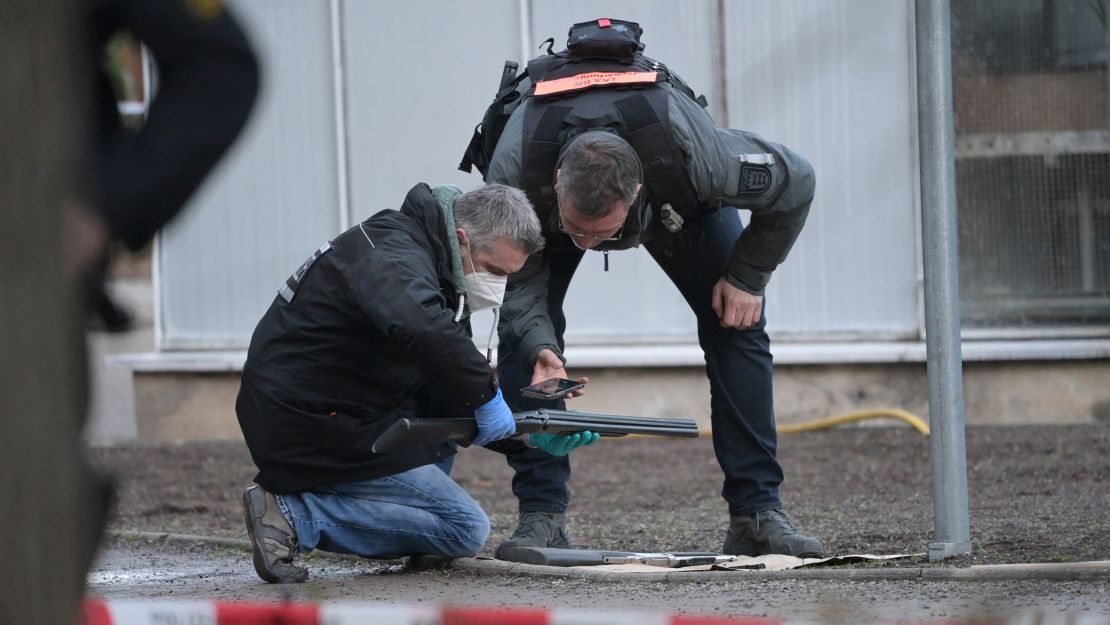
x,y
408,432
548,556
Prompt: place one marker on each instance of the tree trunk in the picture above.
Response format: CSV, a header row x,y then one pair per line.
x,y
45,521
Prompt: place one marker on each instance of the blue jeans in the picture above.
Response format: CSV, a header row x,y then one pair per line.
x,y
417,512
737,363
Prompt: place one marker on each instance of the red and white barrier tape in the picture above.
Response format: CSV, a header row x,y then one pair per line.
x,y
97,612
129,612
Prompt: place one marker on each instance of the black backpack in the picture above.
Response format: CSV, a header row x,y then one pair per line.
x,y
597,42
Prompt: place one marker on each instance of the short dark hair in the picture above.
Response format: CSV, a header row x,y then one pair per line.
x,y
598,168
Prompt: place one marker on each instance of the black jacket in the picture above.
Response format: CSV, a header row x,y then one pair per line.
x,y
208,78
368,337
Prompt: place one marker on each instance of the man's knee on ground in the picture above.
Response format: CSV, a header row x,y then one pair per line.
x,y
469,533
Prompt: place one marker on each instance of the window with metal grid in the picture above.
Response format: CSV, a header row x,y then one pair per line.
x,y
1032,162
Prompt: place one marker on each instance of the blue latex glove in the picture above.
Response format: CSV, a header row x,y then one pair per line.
x,y
495,421
562,444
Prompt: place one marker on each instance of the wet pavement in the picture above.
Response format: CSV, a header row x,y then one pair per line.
x,y
142,569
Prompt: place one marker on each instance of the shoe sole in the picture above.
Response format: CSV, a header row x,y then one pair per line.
x,y
252,498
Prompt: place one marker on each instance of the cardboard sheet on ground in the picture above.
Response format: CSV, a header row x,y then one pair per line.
x,y
758,563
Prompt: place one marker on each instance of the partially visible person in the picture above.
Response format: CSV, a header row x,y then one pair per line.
x,y
106,312
136,180
374,327
610,168
208,79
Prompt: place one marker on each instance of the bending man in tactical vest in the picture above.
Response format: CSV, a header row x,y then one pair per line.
x,y
373,327
609,168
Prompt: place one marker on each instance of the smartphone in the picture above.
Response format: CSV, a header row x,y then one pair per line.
x,y
555,388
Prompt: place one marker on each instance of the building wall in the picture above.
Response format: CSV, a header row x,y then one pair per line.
x,y
192,406
362,103
271,202
1040,101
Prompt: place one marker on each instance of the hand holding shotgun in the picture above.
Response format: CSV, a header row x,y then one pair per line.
x,y
408,432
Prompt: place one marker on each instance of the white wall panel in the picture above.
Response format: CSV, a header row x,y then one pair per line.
x,y
419,77
833,81
274,198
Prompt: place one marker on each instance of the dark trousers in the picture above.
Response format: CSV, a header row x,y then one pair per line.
x,y
737,362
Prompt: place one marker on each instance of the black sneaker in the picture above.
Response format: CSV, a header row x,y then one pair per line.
x,y
538,529
769,531
273,539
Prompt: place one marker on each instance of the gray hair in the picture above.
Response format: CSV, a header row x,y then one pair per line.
x,y
498,211
598,169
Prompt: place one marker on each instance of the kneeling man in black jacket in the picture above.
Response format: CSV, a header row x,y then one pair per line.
x,y
373,327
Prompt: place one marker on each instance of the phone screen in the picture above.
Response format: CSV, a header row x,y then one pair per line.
x,y
553,387
558,385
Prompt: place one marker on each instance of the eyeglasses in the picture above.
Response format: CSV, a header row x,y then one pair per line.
x,y
615,236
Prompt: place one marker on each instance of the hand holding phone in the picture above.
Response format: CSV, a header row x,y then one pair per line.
x,y
553,388
550,365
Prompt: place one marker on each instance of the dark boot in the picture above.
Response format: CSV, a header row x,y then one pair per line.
x,y
769,531
273,539
539,529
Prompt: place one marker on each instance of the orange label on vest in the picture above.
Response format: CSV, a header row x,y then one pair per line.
x,y
593,79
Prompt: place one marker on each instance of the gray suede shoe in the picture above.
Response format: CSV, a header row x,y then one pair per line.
x,y
539,529
273,539
769,531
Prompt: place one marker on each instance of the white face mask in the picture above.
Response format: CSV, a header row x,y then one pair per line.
x,y
483,289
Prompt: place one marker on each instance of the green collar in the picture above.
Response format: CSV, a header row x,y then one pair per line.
x,y
445,196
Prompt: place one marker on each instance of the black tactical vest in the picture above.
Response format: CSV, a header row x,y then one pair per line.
x,y
587,95
602,81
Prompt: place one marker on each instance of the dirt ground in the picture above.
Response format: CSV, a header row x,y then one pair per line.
x,y
174,571
1037,493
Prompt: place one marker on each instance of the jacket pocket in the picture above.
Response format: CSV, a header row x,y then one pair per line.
x,y
340,434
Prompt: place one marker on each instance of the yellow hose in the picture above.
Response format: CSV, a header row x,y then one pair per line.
x,y
829,422
877,413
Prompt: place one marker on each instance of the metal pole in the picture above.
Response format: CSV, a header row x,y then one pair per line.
x,y
524,13
942,303
720,63
339,92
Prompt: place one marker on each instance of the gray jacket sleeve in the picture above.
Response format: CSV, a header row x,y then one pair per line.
x,y
715,163
525,324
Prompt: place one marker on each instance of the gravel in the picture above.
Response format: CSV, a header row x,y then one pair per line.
x,y
1037,493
